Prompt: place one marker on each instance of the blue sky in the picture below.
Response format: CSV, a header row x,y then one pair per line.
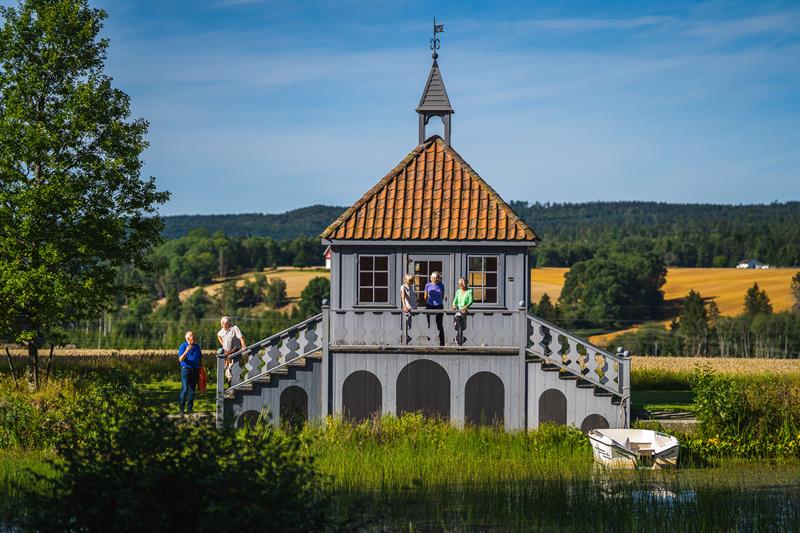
x,y
265,106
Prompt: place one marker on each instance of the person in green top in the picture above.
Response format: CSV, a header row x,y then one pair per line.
x,y
462,300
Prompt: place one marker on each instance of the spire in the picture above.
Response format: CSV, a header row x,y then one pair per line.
x,y
434,96
434,101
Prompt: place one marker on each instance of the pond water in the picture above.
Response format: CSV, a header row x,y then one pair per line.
x,y
736,497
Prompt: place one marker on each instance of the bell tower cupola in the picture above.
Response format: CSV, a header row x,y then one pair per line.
x,y
434,101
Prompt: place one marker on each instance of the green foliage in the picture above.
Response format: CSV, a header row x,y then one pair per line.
x,y
29,421
756,302
77,209
275,293
304,222
171,310
685,235
318,289
700,330
227,298
748,416
124,467
693,324
411,450
605,291
546,310
196,306
199,257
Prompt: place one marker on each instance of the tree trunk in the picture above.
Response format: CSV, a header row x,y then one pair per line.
x,y
33,355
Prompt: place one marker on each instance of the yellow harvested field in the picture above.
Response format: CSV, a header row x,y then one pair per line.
x,y
548,280
723,365
296,280
725,286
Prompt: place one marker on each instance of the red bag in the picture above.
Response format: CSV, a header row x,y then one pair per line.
x,y
202,379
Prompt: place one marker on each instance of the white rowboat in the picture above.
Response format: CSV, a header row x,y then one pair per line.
x,y
634,448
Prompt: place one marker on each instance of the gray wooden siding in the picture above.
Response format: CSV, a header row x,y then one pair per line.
x,y
459,368
267,396
580,402
513,261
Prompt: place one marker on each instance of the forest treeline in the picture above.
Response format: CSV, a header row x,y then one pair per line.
x,y
304,222
685,235
199,257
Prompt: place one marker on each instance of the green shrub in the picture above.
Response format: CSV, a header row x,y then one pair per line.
x,y
124,467
746,416
660,379
30,420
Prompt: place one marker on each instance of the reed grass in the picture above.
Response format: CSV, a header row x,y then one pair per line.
x,y
411,473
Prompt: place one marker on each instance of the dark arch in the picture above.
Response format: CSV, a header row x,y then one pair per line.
x,y
361,396
294,406
423,386
553,407
248,418
484,400
594,422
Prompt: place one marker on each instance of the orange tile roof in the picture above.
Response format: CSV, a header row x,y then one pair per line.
x,y
433,194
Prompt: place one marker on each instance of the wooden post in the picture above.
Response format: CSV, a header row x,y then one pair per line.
x,y
625,383
325,407
522,339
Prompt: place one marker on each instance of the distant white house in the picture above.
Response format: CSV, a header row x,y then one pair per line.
x,y
751,263
328,257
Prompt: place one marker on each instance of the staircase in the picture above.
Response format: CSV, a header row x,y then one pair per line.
x,y
589,367
266,363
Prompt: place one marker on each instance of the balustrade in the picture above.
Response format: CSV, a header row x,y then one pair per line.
x,y
556,346
390,328
275,351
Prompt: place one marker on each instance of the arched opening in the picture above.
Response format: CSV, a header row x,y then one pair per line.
x,y
248,418
594,421
361,396
484,400
423,386
553,407
294,406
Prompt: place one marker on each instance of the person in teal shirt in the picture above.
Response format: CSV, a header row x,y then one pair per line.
x,y
462,301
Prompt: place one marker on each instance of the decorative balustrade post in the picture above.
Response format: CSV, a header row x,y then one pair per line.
x,y
326,367
522,344
625,384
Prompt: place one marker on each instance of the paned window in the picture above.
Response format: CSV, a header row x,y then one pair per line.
x,y
482,278
422,274
373,279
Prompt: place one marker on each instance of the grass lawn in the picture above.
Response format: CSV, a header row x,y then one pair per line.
x,y
165,393
663,400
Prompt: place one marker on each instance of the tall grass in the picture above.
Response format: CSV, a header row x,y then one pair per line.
x,y
410,451
412,473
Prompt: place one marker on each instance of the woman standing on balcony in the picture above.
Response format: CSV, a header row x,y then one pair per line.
x,y
408,301
434,299
462,301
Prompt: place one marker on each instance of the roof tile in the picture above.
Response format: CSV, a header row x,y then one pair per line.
x,y
433,194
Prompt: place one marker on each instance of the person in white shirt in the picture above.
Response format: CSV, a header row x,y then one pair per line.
x,y
231,339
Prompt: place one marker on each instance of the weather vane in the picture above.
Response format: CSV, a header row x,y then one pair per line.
x,y
437,28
